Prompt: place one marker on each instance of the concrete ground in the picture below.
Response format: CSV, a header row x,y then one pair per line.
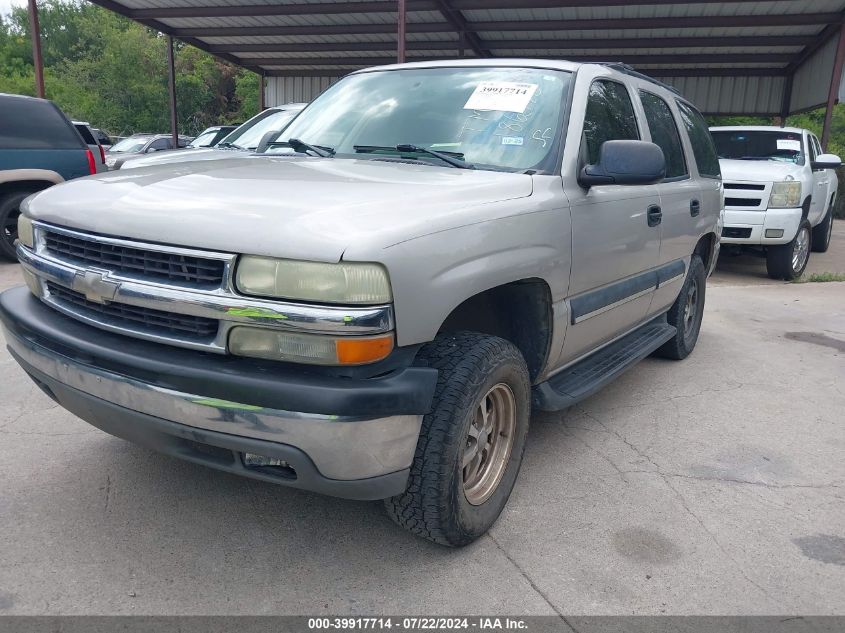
x,y
713,485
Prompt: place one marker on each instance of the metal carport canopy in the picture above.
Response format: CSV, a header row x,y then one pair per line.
x,y
730,57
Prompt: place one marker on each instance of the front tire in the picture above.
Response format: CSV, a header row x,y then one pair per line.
x,y
788,261
686,313
471,444
822,232
10,209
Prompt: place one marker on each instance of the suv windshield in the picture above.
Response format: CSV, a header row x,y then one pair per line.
x,y
759,145
205,139
494,118
129,145
249,134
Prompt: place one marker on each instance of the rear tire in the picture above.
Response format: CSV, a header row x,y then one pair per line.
x,y
788,261
822,232
686,313
10,209
471,444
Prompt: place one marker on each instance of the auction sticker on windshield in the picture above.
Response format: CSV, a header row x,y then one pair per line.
x,y
505,96
789,144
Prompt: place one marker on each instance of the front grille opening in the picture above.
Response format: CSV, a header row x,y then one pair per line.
x,y
155,265
208,452
742,185
143,320
736,232
742,202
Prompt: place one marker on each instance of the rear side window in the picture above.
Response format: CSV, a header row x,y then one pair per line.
x,y
86,135
161,143
702,143
664,133
35,124
609,117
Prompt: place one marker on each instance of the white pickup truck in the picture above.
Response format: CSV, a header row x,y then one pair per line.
x,y
779,193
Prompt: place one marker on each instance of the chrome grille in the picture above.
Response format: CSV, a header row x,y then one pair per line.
x,y
150,264
145,320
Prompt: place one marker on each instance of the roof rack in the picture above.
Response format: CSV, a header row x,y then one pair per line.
x,y
628,70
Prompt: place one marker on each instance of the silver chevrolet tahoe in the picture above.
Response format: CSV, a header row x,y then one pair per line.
x,y
372,309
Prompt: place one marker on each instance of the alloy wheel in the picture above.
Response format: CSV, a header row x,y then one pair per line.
x,y
488,445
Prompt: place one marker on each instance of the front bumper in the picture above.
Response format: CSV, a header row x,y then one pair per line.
x,y
344,437
749,227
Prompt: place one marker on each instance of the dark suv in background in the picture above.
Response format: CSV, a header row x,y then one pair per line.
x,y
39,147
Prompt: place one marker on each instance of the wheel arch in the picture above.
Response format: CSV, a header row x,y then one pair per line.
x,y
706,249
519,312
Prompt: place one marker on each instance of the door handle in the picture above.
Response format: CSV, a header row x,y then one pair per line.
x,y
694,208
654,215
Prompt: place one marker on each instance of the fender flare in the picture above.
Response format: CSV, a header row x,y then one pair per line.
x,y
21,175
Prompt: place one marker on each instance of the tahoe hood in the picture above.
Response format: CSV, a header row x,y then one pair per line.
x,y
294,207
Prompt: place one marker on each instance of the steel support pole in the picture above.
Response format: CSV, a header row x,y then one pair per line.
x,y
262,87
171,77
400,39
462,43
37,58
833,93
787,99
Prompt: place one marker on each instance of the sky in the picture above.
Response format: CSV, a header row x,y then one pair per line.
x,y
6,5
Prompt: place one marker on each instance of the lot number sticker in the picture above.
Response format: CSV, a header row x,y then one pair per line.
x,y
788,144
505,96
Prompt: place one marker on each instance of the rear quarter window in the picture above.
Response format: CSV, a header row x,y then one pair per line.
x,y
35,124
703,148
86,135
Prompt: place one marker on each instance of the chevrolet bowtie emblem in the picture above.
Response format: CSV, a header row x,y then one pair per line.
x,y
94,285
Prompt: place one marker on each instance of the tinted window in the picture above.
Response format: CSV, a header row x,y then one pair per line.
x,y
85,133
35,124
701,141
816,145
664,132
102,137
609,117
159,144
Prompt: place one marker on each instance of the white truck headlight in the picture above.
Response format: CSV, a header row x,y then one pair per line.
x,y
25,232
785,194
343,283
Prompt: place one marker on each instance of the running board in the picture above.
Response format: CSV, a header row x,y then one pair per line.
x,y
591,374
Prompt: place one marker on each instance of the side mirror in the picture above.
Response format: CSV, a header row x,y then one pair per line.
x,y
150,150
265,141
625,163
827,161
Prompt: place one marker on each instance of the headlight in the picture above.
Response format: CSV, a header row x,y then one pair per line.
x,y
25,233
785,194
308,348
345,283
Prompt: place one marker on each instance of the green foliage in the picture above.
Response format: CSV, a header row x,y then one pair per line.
x,y
106,69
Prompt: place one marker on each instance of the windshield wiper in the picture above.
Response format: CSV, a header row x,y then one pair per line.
x,y
455,159
299,145
227,144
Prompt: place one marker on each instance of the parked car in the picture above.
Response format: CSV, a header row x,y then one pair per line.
x,y
211,136
93,144
102,138
375,314
780,188
39,147
139,144
245,137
